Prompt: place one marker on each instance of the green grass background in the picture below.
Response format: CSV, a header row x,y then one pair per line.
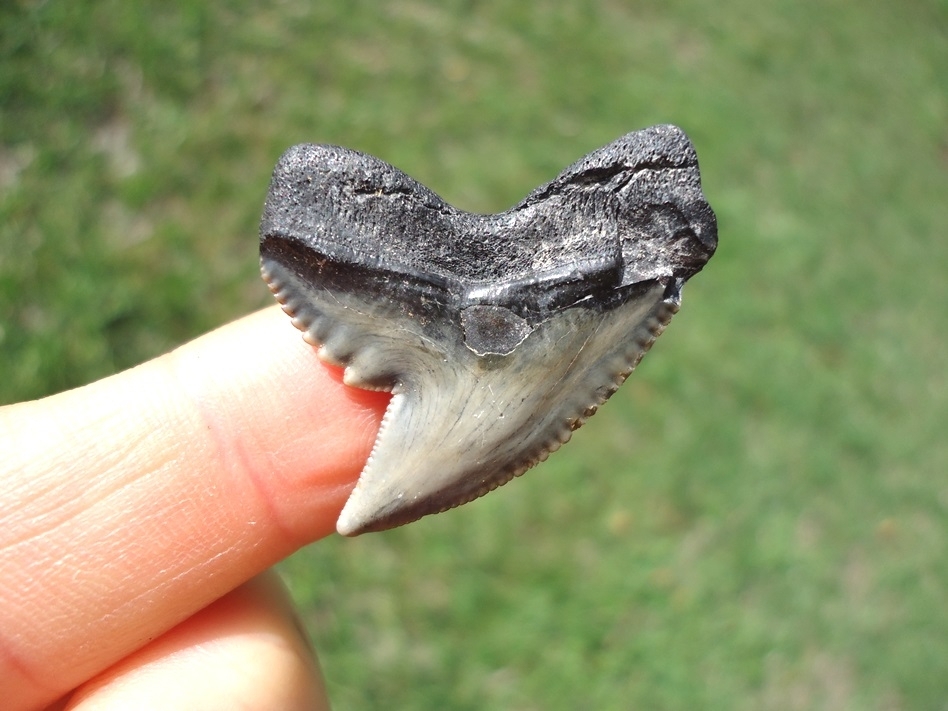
x,y
757,520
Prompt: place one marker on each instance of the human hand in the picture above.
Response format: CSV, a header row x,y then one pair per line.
x,y
136,509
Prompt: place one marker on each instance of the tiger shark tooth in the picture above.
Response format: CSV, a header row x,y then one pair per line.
x,y
497,335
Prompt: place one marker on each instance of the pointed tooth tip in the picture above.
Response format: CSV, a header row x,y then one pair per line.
x,y
351,529
354,522
349,524
346,527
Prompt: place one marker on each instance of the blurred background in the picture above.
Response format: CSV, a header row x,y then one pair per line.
x,y
756,520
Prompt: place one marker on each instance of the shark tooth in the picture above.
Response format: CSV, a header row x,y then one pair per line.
x,y
497,335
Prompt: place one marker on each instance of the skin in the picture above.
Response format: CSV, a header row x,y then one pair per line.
x,y
140,512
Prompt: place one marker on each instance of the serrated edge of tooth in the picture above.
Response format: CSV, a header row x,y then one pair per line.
x,y
318,330
629,360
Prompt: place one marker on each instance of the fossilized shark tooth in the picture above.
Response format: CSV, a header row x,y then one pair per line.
x,y
497,335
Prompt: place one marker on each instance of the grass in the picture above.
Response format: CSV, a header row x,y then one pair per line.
x,y
757,520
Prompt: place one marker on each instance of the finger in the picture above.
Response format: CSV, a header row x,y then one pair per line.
x,y
244,651
133,502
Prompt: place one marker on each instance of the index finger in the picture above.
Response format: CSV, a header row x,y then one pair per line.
x,y
135,501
